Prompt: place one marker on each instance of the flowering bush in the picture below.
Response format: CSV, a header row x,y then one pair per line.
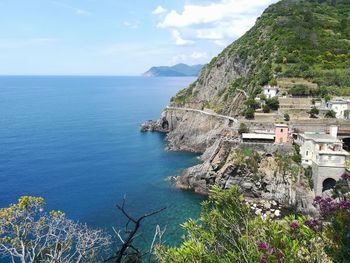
x,y
227,232
292,240
337,213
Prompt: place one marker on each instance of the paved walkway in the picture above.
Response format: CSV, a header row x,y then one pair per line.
x,y
205,113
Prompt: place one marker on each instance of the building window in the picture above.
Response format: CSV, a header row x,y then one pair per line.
x,y
307,153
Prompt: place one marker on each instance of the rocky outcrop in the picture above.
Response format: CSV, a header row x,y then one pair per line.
x,y
192,131
259,176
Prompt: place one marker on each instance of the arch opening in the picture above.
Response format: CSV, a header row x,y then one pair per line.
x,y
328,184
346,144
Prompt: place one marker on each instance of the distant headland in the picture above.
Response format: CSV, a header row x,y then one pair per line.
x,y
179,70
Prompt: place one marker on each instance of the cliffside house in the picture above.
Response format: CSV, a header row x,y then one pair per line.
x,y
339,106
281,133
325,154
270,91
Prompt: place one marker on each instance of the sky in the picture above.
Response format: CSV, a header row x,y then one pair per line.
x,y
117,37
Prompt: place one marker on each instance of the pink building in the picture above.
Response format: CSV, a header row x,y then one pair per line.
x,y
281,133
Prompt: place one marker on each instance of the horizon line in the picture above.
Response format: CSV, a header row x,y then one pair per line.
x,y
87,75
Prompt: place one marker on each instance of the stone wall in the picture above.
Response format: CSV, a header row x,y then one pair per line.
x,y
321,173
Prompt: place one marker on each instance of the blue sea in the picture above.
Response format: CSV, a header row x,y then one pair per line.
x,y
75,141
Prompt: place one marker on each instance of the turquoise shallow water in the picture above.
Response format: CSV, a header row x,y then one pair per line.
x,y
75,141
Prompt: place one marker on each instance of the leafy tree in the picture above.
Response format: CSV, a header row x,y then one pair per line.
x,y
296,157
273,103
313,112
263,97
299,90
273,82
228,232
249,113
327,98
286,117
243,128
252,103
278,69
330,114
266,109
28,235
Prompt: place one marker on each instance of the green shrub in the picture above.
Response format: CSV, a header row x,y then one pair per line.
x,y
273,103
228,232
286,117
266,109
330,114
243,128
313,112
249,113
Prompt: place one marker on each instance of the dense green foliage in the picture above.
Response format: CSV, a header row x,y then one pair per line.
x,y
296,157
243,128
313,112
293,38
286,117
330,114
228,232
273,103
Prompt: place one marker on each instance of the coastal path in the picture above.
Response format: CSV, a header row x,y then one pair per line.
x,y
213,114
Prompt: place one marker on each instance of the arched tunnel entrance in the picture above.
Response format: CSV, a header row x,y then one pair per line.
x,y
328,184
165,124
346,144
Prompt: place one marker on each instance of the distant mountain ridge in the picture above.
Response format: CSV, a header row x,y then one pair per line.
x,y
179,70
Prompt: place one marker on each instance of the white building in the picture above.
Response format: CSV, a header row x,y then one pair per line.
x,y
325,154
270,91
339,106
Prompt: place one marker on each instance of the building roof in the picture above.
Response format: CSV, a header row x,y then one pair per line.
x,y
341,152
270,87
338,101
259,136
281,125
320,137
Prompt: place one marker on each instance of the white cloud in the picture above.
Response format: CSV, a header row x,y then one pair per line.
x,y
202,14
179,40
159,10
199,55
220,43
219,22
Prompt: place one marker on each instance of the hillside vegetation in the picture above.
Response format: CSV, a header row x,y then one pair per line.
x,y
292,39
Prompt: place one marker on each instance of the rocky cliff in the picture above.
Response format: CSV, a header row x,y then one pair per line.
x,y
262,172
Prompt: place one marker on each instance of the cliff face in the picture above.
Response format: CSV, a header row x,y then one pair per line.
x,y
189,130
261,175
